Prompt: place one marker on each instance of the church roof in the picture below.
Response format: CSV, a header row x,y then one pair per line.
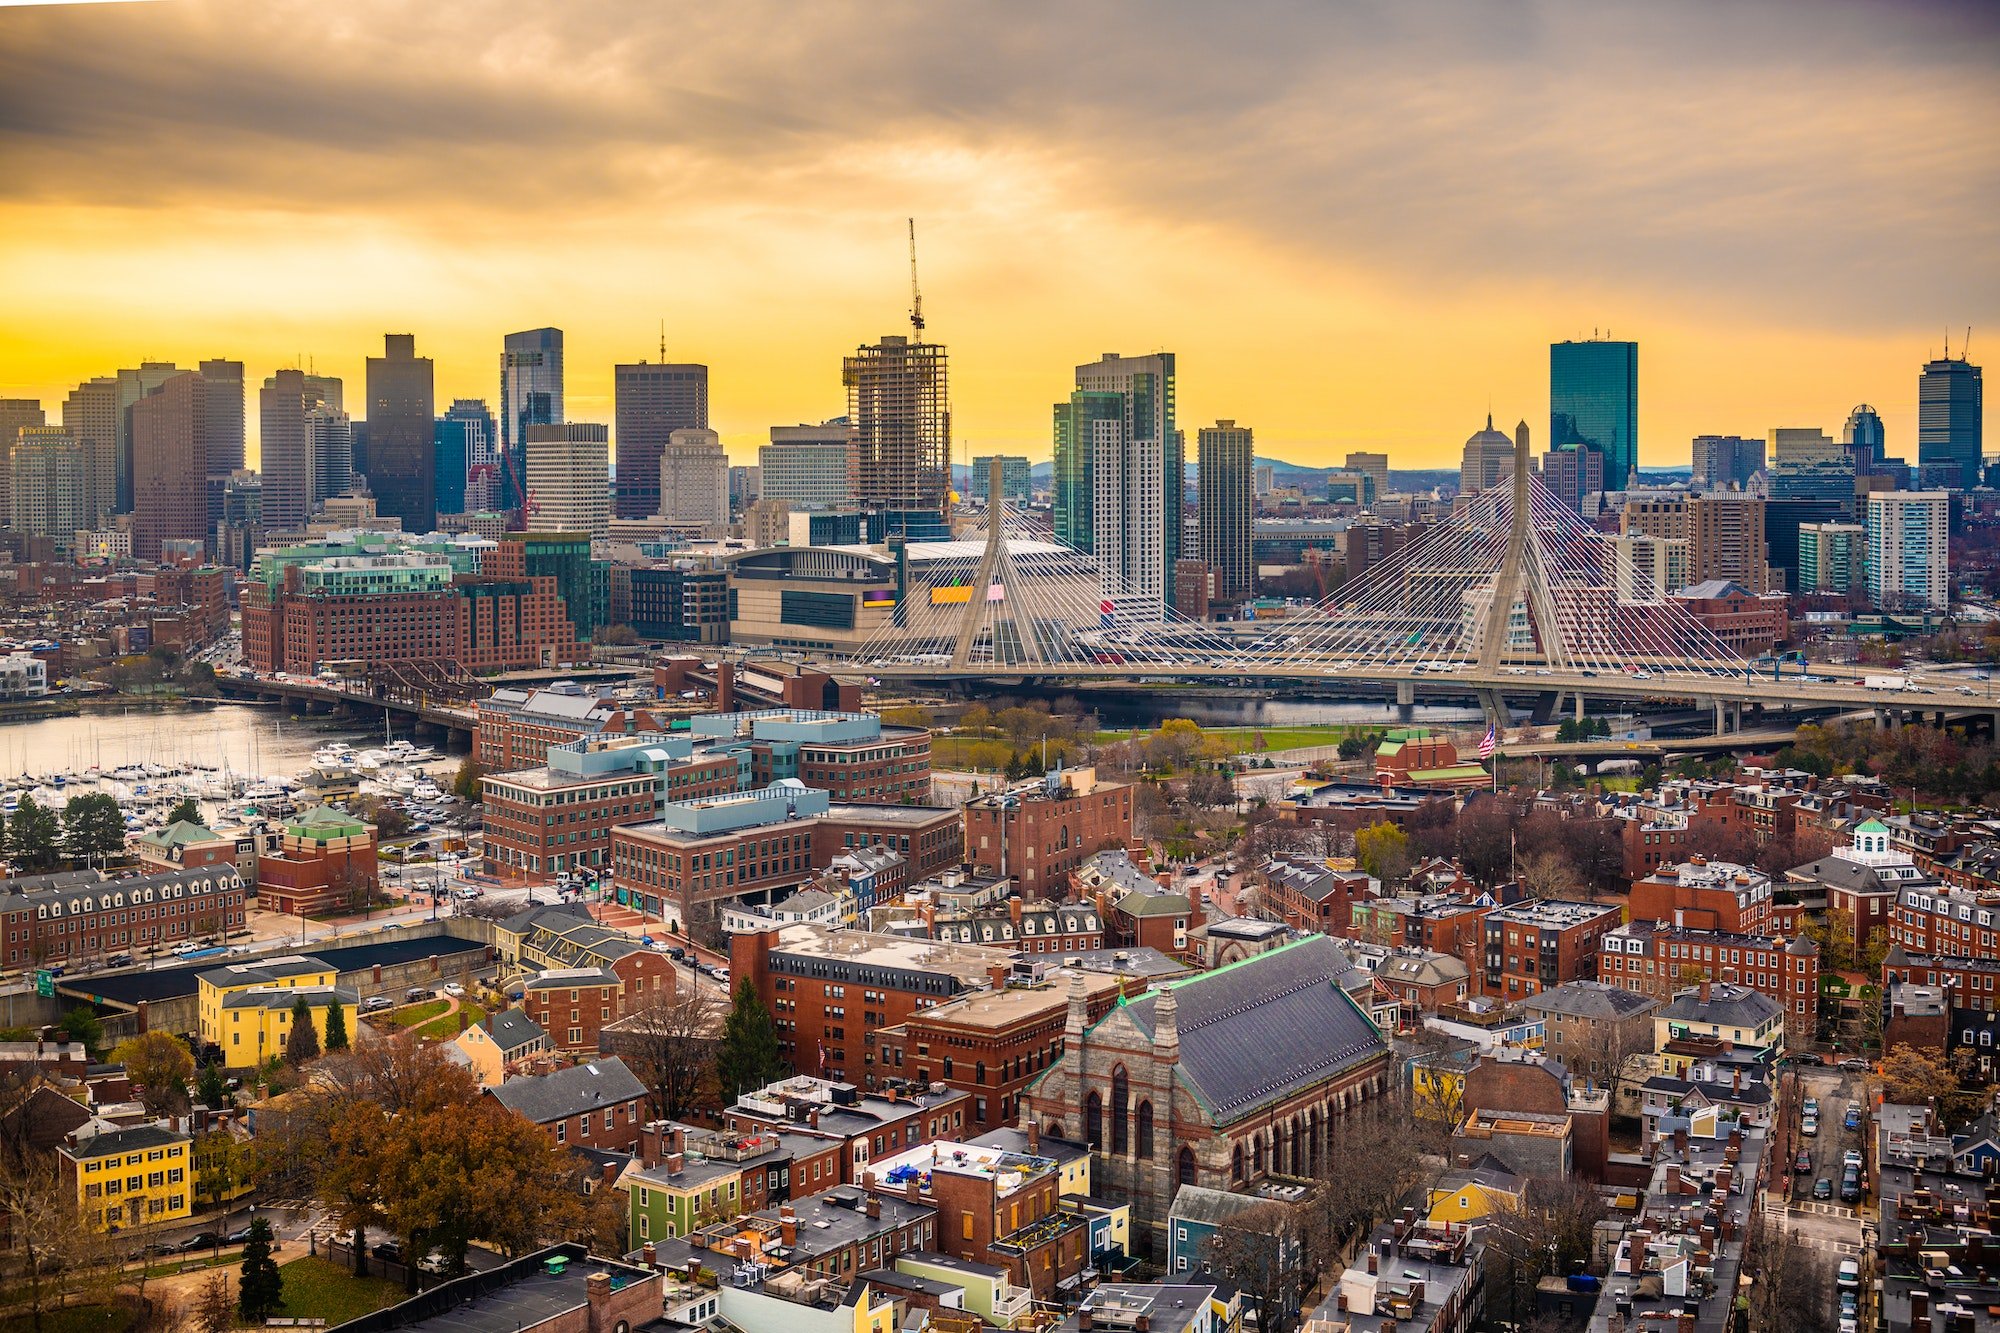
x,y
1256,1032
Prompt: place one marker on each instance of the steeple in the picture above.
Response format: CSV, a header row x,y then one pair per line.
x,y
1167,1027
1079,1012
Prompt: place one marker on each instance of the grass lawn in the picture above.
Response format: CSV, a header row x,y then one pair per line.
x,y
439,1029
317,1288
415,1015
73,1319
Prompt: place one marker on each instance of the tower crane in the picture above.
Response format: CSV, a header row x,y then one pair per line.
x,y
916,293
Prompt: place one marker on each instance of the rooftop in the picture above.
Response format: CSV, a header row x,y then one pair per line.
x,y
1007,1171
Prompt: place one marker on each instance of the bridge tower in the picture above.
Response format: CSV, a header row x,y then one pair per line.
x,y
1514,578
977,607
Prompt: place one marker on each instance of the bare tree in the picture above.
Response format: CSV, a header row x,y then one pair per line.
x,y
1258,1251
1547,874
1791,1288
1549,1232
670,1045
1372,1163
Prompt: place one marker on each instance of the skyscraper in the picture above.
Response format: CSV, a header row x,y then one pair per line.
x,y
402,433
531,394
1372,465
1950,418
222,410
1832,557
1864,438
899,417
90,416
1016,478
1726,538
14,414
568,471
1146,383
1594,399
1807,464
330,447
808,466
46,485
170,465
653,400
1227,455
1487,461
1085,424
289,467
693,480
1726,460
1908,549
466,468
132,386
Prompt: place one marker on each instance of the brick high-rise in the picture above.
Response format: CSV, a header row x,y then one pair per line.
x,y
170,465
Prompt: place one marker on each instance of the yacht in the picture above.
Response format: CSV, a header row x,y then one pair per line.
x,y
403,752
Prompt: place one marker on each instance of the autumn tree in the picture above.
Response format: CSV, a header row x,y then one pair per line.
x,y
64,1256
1914,1077
1833,932
749,1057
670,1046
1383,851
161,1065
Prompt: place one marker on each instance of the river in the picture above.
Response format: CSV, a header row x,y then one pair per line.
x,y
253,741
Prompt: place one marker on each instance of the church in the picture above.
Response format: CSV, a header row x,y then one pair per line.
x,y
1222,1080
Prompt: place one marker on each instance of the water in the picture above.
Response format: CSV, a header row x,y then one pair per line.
x,y
253,741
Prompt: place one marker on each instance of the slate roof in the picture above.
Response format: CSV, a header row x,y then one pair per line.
x,y
512,1030
287,997
1591,999
1198,1203
574,1091
123,1141
1727,1004
1489,1172
1255,1032
560,978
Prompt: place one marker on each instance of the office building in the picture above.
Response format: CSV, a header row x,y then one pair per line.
x,y
1265,479
1864,438
1084,424
1950,422
1726,538
531,394
1726,460
223,412
1570,474
1833,557
1645,569
693,477
289,469
48,476
809,467
1594,399
91,415
1227,453
1487,461
170,466
132,386
653,400
1909,563
1782,521
1015,473
477,434
330,446
14,414
402,433
1809,464
746,486
899,417
583,584
1145,524
568,471
1375,466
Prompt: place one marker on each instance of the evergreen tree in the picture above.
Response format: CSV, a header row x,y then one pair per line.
x,y
212,1087
303,1043
748,1058
33,837
188,811
82,1024
93,826
260,1292
336,1028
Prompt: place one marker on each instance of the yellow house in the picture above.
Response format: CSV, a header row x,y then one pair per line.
x,y
1472,1193
218,983
257,1023
126,1178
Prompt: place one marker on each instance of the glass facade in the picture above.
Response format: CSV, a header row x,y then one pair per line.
x,y
531,394
1950,425
1077,425
1594,400
584,584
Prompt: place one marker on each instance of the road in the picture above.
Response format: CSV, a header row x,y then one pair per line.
x,y
1832,1230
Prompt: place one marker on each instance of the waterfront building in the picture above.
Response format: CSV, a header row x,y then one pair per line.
x,y
77,915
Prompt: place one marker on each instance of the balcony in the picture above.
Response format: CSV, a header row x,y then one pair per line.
x,y
1011,1304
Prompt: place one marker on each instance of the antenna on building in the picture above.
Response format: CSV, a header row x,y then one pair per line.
x,y
916,293
663,342
1965,348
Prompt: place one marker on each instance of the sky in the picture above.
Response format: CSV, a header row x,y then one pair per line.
x,y
1358,224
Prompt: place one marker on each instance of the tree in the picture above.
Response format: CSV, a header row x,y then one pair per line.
x,y
1833,932
336,1027
33,837
1913,1077
1255,1251
302,1044
1383,851
187,812
1546,875
1486,840
161,1064
749,1057
1791,1289
214,1308
1211,789
670,1047
260,1291
82,1024
211,1088
465,782
93,826
1548,1233
62,1255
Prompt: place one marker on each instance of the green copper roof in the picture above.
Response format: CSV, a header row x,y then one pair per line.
x,y
323,823
178,834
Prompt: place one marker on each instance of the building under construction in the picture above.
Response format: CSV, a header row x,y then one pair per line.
x,y
899,417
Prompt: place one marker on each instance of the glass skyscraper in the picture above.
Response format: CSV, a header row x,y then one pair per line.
x,y
1950,430
531,394
1082,424
1594,399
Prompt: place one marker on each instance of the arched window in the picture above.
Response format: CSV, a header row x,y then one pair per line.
x,y
1184,1166
1145,1133
1236,1163
1093,1122
1120,1093
1257,1155
979,1071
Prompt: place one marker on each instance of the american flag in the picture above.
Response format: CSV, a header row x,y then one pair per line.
x,y
1486,743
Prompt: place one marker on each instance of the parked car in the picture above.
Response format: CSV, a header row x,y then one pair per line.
x,y
1855,1065
240,1236
1850,1185
1809,1126
1852,1120
119,960
375,1004
415,993
434,1262
1811,1107
1822,1188
1852,1157
389,1249
453,989
202,1241
1849,1274
1802,1163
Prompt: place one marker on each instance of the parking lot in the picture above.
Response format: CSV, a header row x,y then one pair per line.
x,y
1835,1090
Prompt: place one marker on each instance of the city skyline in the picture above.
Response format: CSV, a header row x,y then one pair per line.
x,y
1722,234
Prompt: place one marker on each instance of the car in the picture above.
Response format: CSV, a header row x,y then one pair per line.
x,y
434,1262
678,954
1852,1120
1850,1300
416,993
453,989
240,1236
389,1249
1849,1274
375,1004
1809,1126
1855,1065
1802,1163
202,1241
1850,1187
1810,1108
1848,1324
1822,1188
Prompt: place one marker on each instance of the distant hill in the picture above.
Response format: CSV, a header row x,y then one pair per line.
x,y
1293,474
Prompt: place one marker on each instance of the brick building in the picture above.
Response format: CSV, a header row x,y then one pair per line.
x,y
516,726
828,990
997,1207
1140,910
1658,960
1447,923
1033,928
182,845
322,860
1540,943
572,1003
78,915
1041,830
561,936
1862,880
596,1105
865,1126
1308,895
1748,622
991,1044
1705,895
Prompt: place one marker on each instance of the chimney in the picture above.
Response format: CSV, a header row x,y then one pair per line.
x,y
465,1021
1083,1319
1704,990
788,1230
610,1172
675,1161
646,1254
1372,1269
697,1241
997,972
1143,1324
597,1291
874,1206
677,1137
1034,1138
1686,1323
910,1189
1014,911
1673,1184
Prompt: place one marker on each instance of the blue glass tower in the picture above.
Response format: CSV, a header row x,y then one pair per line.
x,y
1594,400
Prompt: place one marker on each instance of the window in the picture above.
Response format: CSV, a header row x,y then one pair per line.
x,y
1145,1132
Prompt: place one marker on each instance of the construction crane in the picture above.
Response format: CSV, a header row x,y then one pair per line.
x,y
916,293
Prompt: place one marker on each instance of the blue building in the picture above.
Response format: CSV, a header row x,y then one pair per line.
x,y
1950,421
1594,400
1199,1214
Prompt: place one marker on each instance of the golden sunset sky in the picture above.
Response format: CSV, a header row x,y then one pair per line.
x,y
1359,224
